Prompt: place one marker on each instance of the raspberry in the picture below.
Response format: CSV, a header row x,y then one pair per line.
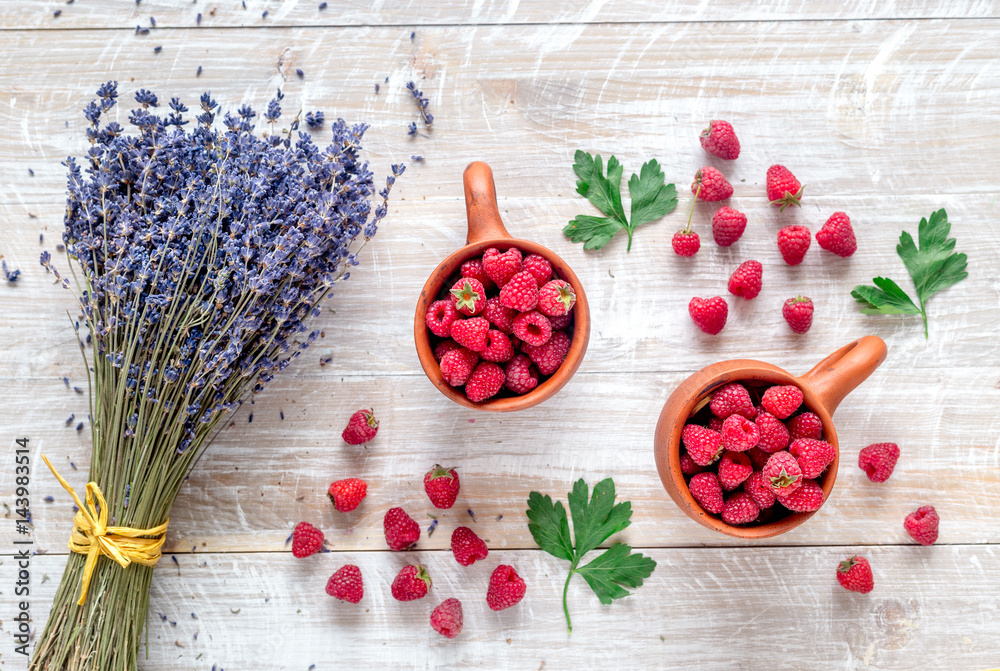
x,y
538,266
782,187
715,424
519,375
444,347
473,269
685,243
556,298
411,583
759,490
878,460
806,425
401,531
561,322
549,356
719,139
740,508
758,457
739,434
361,427
520,293
793,243
440,316
485,382
499,349
731,399
499,316
457,365
688,467
734,468
922,525
813,456
773,433
805,499
728,226
346,584
837,236
782,473
501,267
347,494
855,574
745,280
709,314
467,547
506,588
468,296
471,333
442,485
798,312
709,185
446,619
306,540
704,445
707,491
532,328
782,401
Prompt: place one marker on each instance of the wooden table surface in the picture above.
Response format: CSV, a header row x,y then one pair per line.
x,y
887,111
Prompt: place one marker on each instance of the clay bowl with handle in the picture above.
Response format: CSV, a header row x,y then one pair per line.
x,y
485,230
823,388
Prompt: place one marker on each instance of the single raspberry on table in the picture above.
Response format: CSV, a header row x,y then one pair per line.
x,y
520,293
499,349
556,298
346,584
467,547
746,280
499,316
468,296
759,490
710,185
805,499
837,235
805,425
704,445
471,333
440,316
781,401
506,588
446,619
734,468
719,139
538,266
306,540
773,432
813,456
457,366
855,574
442,485
485,382
361,427
473,268
782,473
728,226
685,243
411,583
707,491
401,531
922,525
732,399
739,434
783,189
793,243
533,328
798,312
501,267
520,376
709,314
549,356
740,508
561,322
347,494
878,460
444,347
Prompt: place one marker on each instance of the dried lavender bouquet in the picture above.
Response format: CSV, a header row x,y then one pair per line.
x,y
202,254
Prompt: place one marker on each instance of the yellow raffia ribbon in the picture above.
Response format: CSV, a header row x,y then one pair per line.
x,y
93,537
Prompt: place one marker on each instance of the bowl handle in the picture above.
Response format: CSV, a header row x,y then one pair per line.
x,y
481,204
837,375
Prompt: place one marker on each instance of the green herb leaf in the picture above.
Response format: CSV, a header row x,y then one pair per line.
x,y
616,567
603,192
549,527
884,298
651,197
596,521
594,232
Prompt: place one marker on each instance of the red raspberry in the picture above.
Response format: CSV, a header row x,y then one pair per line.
x,y
346,584
739,434
457,366
361,427
556,298
499,316
758,457
922,525
704,445
782,187
773,433
467,547
444,347
549,356
446,619
347,494
855,574
837,236
782,401
532,328
728,226
686,243
798,312
538,266
719,139
506,588
499,349
782,473
715,424
501,267
734,468
805,499
688,467
411,583
806,425
561,322
469,296
519,375
473,268
441,485
740,508
707,491
759,490
745,280
813,456
485,382
709,314
306,540
793,243
710,185
878,460
440,316
401,531
520,293
471,333
732,399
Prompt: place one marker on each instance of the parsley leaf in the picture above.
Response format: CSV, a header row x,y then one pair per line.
x,y
651,197
595,519
933,266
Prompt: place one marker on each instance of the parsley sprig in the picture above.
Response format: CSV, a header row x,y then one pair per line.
x,y
651,199
933,267
594,521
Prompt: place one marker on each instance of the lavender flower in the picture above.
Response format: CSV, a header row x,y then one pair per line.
x,y
315,119
9,275
422,103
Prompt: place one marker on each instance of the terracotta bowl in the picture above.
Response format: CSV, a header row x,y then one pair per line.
x,y
824,387
486,230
